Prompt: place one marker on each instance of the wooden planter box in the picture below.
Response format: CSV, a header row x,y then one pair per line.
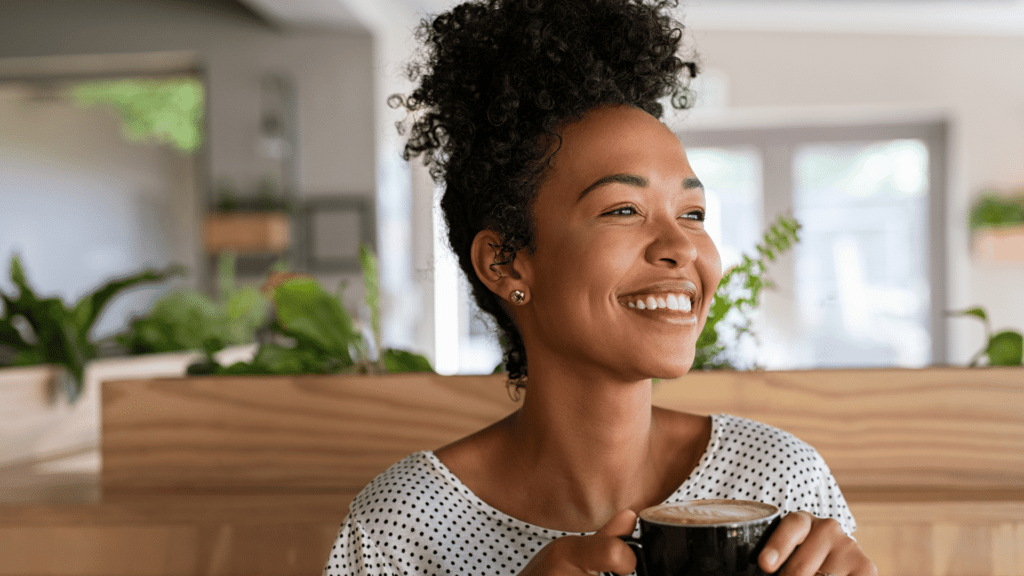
x,y
30,407
247,232
1000,245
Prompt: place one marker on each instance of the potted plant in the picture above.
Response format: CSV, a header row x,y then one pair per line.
x,y
189,320
739,294
36,330
1003,348
996,222
46,354
312,333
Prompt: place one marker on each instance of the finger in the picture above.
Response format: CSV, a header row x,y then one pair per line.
x,y
791,531
845,557
826,540
602,553
622,524
605,552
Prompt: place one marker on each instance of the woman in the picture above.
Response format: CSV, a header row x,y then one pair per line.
x,y
579,222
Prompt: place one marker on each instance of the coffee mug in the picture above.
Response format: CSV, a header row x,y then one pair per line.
x,y
703,538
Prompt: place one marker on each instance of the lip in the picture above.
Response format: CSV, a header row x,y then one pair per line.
x,y
686,287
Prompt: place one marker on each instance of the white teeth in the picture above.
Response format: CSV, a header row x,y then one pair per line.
x,y
669,301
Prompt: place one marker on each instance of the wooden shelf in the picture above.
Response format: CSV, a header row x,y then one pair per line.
x,y
247,232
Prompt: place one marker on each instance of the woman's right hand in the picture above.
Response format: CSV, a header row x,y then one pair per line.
x,y
600,552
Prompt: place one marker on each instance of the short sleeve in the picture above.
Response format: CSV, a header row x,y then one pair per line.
x,y
815,490
354,552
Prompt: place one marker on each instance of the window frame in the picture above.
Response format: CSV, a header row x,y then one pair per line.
x,y
777,145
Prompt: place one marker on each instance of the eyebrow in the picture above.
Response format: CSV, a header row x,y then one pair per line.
x,y
634,180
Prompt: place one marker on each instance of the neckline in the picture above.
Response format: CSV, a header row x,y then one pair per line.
x,y
502,518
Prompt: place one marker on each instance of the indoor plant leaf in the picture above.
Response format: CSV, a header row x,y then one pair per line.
x,y
313,316
1005,348
88,308
396,361
371,283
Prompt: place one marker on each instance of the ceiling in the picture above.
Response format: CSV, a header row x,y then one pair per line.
x,y
956,17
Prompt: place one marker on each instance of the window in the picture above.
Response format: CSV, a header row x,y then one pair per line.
x,y
865,285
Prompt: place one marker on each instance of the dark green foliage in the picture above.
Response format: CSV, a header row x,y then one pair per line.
x,y
740,291
1004,348
37,330
188,319
993,210
312,333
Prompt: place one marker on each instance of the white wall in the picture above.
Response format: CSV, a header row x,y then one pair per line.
x,y
972,82
80,204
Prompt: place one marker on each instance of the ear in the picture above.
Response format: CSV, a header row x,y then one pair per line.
x,y
502,279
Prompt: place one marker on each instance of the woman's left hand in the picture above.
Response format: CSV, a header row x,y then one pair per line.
x,y
805,545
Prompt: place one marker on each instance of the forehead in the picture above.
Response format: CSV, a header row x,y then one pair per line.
x,y
619,139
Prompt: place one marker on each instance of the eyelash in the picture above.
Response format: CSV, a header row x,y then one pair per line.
x,y
699,215
695,215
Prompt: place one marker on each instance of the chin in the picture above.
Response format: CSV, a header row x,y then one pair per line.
x,y
673,370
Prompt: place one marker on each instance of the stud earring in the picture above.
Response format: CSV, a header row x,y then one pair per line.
x,y
517,297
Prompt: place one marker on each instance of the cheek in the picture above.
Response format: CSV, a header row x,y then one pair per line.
x,y
709,267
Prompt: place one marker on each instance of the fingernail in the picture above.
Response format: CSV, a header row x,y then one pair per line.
x,y
770,557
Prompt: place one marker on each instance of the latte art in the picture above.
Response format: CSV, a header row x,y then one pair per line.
x,y
708,512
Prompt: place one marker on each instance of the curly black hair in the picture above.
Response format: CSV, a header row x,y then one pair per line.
x,y
497,79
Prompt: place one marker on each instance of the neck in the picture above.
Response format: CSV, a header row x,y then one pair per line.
x,y
590,441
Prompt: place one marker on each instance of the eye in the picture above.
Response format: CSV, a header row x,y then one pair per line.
x,y
623,211
695,215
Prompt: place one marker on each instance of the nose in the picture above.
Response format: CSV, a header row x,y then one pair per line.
x,y
671,245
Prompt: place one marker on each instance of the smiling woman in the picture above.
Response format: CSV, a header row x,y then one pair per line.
x,y
618,220
580,224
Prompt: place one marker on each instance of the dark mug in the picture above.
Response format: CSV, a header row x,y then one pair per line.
x,y
703,538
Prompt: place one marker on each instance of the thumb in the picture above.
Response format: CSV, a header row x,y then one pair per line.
x,y
622,524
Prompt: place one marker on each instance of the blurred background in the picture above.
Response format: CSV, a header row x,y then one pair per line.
x,y
127,127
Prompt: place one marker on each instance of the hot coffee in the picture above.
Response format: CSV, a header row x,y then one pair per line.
x,y
703,538
708,512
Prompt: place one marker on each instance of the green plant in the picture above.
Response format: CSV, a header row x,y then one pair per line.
x,y
1004,348
312,333
739,294
162,110
187,319
994,210
36,330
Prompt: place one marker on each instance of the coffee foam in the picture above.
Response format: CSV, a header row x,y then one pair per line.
x,y
708,512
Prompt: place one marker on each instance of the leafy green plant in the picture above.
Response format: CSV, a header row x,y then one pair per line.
x,y
312,333
168,110
1004,348
36,330
739,294
188,319
994,210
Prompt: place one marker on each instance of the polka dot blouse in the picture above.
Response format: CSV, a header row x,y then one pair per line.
x,y
418,518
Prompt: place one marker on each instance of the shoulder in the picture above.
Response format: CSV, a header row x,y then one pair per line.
x,y
753,441
397,491
752,460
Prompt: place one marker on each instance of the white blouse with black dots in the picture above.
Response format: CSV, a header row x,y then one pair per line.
x,y
418,518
